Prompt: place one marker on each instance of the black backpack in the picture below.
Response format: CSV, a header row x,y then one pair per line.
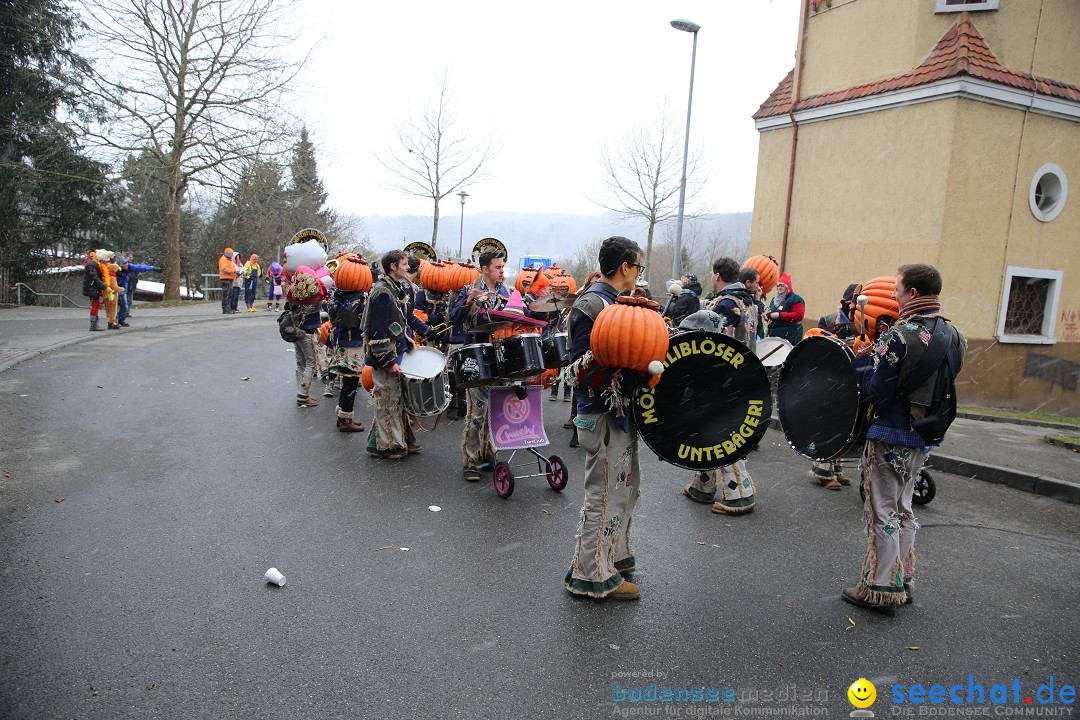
x,y
942,356
287,327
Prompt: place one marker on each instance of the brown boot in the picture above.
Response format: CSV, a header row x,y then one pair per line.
x,y
843,479
347,424
626,591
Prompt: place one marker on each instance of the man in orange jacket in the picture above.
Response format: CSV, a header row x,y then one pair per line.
x,y
227,275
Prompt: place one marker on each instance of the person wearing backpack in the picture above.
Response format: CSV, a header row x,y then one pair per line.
x,y
909,380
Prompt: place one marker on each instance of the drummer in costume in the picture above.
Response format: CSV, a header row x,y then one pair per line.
x,y
736,315
388,324
540,289
841,324
602,554
346,308
895,453
473,301
786,311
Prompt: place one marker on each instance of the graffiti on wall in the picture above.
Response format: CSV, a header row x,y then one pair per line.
x,y
1054,370
1070,323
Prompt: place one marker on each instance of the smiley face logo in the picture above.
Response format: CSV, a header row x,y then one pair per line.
x,y
862,693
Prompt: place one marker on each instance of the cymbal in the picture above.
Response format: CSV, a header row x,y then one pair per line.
x,y
518,318
491,326
551,303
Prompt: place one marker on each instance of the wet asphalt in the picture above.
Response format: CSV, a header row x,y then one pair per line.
x,y
151,478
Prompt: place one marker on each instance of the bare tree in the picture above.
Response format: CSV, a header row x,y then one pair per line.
x,y
585,259
432,158
701,245
201,83
642,176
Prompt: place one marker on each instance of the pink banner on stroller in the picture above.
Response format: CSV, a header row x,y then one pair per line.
x,y
517,423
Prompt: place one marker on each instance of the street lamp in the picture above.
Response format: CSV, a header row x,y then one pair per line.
x,y
690,27
461,228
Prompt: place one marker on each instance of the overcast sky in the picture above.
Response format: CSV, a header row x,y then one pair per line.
x,y
554,82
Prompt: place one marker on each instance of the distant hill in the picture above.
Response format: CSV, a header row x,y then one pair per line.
x,y
541,234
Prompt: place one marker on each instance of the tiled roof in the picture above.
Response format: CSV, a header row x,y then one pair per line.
x,y
961,51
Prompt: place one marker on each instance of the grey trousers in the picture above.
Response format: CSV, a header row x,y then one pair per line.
x,y
305,364
476,445
889,473
612,487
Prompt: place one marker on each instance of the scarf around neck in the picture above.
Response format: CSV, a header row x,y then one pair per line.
x,y
921,306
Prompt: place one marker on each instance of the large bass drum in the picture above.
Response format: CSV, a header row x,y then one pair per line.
x,y
711,406
821,408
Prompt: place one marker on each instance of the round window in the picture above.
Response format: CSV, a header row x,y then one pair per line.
x,y
1049,190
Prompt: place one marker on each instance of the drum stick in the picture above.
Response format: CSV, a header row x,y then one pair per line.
x,y
771,353
862,300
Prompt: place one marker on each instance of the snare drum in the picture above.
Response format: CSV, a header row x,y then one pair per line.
x,y
556,350
821,408
772,351
475,365
425,387
520,357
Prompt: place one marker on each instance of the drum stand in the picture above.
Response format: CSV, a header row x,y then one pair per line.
x,y
551,467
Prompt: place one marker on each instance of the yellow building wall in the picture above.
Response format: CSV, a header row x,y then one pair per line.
x,y
979,204
770,192
945,182
855,42
848,44
1011,30
863,203
1054,244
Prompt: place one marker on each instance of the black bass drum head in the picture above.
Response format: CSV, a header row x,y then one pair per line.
x,y
819,402
712,405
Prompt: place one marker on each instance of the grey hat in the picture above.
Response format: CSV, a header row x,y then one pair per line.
x,y
702,320
121,259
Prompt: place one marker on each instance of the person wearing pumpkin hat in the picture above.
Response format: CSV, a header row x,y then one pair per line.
x,y
486,293
95,286
251,272
275,286
899,379
227,276
602,554
786,312
736,314
347,359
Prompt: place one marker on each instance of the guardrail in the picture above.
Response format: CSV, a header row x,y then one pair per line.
x,y
207,288
19,286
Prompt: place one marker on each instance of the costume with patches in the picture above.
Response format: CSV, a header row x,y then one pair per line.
x,y
476,447
736,311
894,453
602,551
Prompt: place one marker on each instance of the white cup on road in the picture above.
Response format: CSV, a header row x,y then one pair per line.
x,y
274,577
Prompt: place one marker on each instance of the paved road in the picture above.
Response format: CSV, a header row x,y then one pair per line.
x,y
150,487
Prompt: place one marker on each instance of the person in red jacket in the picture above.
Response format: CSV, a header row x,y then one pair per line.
x,y
786,311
